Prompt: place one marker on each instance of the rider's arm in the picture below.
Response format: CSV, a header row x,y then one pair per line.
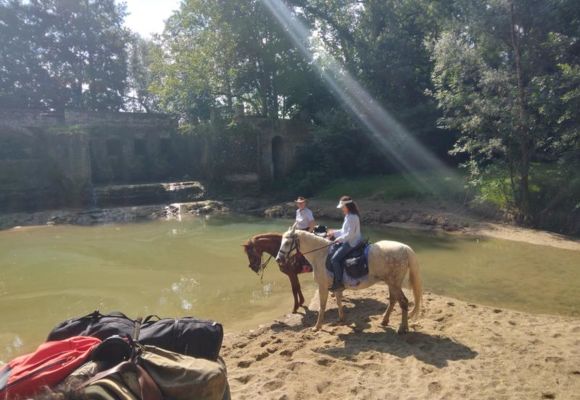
x,y
342,234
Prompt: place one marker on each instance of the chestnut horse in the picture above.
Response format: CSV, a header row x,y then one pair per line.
x,y
269,243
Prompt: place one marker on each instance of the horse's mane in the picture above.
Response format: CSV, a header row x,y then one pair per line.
x,y
313,236
271,236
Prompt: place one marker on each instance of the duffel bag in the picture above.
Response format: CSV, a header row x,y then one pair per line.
x,y
50,364
189,336
94,324
182,377
126,381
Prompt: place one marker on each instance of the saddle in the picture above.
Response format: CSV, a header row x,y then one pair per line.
x,y
355,264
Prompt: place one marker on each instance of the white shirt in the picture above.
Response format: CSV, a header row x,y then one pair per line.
x,y
303,218
350,231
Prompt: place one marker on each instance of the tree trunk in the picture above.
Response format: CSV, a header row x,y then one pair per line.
x,y
522,128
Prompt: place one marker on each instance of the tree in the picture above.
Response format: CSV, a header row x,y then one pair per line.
x,y
215,56
139,97
495,68
62,53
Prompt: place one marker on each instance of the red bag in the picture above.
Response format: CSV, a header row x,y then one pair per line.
x,y
50,364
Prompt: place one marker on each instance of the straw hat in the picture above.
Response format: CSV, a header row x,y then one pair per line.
x,y
300,199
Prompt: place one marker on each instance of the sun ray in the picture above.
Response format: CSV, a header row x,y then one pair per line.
x,y
391,137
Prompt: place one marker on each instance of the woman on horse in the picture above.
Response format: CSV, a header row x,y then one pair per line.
x,y
304,217
349,236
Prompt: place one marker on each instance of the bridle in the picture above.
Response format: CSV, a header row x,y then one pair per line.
x,y
295,245
263,264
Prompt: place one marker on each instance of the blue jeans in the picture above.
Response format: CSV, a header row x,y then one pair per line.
x,y
336,260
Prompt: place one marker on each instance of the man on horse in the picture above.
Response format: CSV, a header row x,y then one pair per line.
x,y
304,216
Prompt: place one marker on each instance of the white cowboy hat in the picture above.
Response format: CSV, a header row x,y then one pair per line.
x,y
300,200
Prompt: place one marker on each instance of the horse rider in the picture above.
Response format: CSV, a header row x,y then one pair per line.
x,y
304,216
348,237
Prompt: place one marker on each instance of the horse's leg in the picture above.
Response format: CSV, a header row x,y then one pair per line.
x,y
323,295
295,288
404,303
338,295
390,308
299,292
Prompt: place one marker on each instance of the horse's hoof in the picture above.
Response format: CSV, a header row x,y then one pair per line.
x,y
384,323
315,329
402,330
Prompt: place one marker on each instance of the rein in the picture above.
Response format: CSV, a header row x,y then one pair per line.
x,y
263,268
296,245
320,248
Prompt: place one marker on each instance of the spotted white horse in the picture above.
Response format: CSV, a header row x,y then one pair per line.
x,y
388,262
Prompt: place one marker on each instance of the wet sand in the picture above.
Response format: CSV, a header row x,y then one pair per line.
x,y
455,350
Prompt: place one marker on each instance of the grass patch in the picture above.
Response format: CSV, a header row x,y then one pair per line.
x,y
391,187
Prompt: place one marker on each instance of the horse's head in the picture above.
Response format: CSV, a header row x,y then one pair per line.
x,y
254,257
289,244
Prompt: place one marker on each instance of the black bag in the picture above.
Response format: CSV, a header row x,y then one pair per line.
x,y
188,336
96,325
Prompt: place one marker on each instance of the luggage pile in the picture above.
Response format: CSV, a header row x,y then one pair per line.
x,y
113,357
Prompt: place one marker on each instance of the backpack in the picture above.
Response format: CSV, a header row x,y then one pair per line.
x,y
51,363
188,336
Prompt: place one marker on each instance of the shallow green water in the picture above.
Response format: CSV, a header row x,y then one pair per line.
x,y
197,267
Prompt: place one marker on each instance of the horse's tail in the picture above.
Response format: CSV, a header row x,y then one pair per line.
x,y
415,281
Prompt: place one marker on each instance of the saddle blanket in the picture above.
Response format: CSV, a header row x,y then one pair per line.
x,y
348,280
355,264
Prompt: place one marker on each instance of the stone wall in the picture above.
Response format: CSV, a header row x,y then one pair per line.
x,y
279,142
50,160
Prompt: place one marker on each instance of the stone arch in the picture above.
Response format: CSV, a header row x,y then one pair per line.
x,y
277,157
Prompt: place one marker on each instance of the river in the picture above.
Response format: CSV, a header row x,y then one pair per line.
x,y
197,267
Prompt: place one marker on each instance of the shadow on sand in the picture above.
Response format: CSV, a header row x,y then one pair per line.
x,y
430,349
434,350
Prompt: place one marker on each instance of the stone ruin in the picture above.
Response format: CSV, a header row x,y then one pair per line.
x,y
89,159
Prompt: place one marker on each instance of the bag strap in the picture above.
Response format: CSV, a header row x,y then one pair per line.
x,y
151,318
137,329
149,389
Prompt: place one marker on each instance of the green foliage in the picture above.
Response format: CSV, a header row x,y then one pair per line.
x,y
506,77
61,53
395,187
217,56
141,55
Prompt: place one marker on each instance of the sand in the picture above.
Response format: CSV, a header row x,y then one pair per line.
x,y
455,350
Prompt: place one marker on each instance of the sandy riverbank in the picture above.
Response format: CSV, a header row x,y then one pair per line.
x,y
455,350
